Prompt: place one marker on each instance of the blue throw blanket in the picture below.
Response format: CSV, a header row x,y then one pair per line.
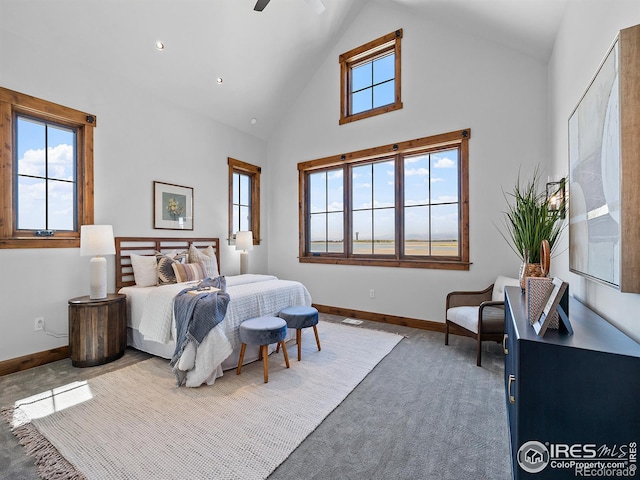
x,y
195,316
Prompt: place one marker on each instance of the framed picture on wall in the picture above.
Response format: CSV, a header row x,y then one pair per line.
x,y
604,145
594,172
172,206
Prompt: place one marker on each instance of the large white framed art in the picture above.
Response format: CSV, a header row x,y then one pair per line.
x,y
604,172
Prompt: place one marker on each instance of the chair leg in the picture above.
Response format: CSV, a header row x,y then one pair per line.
x,y
265,361
284,352
244,345
299,342
315,330
479,356
446,333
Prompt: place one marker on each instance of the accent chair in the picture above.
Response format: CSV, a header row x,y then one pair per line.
x,y
478,314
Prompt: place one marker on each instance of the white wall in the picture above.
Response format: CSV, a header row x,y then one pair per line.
x,y
450,80
138,139
587,32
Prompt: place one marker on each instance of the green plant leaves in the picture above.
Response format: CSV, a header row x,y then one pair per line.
x,y
528,220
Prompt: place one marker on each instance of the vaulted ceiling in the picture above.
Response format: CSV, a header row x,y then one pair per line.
x,y
264,58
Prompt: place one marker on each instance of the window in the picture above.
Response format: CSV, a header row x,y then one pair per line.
x,y
401,205
244,199
46,172
370,79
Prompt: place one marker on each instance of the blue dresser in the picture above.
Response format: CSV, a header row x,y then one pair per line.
x,y
573,401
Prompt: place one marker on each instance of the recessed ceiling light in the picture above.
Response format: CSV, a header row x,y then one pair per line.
x,y
219,80
254,121
159,45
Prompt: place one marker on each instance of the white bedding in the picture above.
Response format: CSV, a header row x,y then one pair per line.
x,y
150,316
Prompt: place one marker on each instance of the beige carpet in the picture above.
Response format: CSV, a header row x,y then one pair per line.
x,y
135,424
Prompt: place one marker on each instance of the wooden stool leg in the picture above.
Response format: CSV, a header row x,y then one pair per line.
x,y
315,330
244,345
265,361
278,348
299,342
284,352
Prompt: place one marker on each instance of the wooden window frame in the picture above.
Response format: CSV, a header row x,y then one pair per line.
x,y
458,139
384,45
253,171
13,104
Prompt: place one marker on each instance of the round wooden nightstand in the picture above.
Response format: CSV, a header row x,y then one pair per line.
x,y
97,329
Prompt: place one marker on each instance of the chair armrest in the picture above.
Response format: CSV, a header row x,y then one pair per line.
x,y
491,304
470,298
483,305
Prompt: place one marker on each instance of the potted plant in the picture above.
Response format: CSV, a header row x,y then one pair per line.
x,y
528,221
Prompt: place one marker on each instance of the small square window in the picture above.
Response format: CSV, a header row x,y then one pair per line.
x,y
370,79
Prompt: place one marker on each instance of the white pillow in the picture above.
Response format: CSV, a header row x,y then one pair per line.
x,y
145,270
498,287
206,256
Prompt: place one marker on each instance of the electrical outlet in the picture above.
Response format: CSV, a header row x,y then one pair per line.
x,y
372,293
38,324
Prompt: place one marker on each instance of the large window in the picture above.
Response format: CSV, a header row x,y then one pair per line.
x,y
370,79
244,199
398,205
46,172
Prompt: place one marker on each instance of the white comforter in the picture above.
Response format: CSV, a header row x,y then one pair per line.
x,y
251,296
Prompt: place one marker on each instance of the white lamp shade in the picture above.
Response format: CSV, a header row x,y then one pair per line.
x,y
96,240
244,240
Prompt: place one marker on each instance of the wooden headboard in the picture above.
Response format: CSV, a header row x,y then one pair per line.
x,y
125,246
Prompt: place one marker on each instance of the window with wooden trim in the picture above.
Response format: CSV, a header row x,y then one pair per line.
x,y
400,205
46,172
244,199
370,79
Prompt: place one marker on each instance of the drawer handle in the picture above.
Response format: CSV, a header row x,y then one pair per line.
x,y
504,344
512,399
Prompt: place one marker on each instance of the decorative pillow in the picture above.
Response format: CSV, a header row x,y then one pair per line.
x,y
144,270
166,275
497,295
188,272
206,256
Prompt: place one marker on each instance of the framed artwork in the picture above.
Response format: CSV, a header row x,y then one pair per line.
x,y
594,173
172,206
543,321
604,132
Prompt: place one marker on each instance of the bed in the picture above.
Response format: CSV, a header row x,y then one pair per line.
x,y
150,323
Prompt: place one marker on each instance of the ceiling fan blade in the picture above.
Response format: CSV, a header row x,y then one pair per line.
x,y
260,4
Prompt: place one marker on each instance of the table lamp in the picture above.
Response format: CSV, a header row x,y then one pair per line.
x,y
95,241
244,242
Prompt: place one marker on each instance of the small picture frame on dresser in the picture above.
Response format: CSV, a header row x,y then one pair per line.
x,y
559,290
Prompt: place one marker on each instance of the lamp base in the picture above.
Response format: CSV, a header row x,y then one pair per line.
x,y
98,278
244,263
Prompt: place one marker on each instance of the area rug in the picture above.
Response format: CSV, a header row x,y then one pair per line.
x,y
134,423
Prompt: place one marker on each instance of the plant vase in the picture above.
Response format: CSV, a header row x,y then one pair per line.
x,y
529,270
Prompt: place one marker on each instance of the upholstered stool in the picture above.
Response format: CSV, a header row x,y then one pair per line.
x,y
263,331
300,317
